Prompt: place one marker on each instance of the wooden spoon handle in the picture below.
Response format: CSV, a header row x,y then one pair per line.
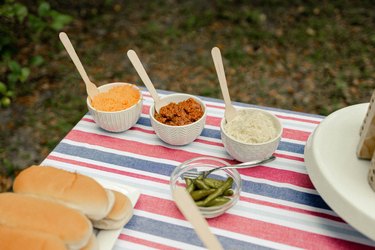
x,y
90,87
134,59
186,205
229,109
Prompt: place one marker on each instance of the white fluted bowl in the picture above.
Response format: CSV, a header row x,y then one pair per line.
x,y
244,152
178,135
117,121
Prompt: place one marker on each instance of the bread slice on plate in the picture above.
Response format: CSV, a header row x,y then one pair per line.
x,y
45,216
120,214
18,238
75,190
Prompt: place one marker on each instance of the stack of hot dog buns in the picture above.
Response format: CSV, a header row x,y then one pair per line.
x,y
57,209
366,145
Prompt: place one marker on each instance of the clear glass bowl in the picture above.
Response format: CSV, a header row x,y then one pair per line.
x,y
207,163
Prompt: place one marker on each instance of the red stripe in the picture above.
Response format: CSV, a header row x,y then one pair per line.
x,y
145,109
290,157
88,120
106,169
145,242
294,209
143,130
297,119
219,144
131,146
295,134
252,227
278,175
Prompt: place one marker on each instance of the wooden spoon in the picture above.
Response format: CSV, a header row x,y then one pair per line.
x,y
230,111
91,88
191,212
134,59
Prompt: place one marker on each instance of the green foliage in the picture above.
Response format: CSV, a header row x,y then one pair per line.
x,y
19,23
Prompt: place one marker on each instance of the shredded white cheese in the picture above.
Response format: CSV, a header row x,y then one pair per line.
x,y
251,127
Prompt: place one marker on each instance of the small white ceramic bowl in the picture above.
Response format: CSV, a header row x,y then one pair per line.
x,y
117,121
178,135
207,163
244,152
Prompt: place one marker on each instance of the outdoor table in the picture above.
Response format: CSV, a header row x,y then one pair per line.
x,y
278,208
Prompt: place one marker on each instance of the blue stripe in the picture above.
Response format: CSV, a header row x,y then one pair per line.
x,y
166,169
182,234
286,194
111,158
291,147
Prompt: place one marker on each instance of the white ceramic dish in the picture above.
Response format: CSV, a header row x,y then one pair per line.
x,y
108,238
117,121
178,135
244,152
337,174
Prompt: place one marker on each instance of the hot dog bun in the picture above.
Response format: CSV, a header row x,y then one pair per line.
x,y
120,214
40,215
72,189
92,244
16,239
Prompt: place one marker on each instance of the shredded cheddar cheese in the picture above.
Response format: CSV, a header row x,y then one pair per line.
x,y
116,99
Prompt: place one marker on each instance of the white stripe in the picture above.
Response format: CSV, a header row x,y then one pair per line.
x,y
216,231
305,222
298,142
288,164
159,240
278,151
128,245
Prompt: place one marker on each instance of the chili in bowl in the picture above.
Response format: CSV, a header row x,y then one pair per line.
x,y
181,121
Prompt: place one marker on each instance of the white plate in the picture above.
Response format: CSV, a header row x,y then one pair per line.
x,y
338,175
108,238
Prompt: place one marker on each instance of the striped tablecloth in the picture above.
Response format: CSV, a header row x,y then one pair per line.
x,y
279,207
